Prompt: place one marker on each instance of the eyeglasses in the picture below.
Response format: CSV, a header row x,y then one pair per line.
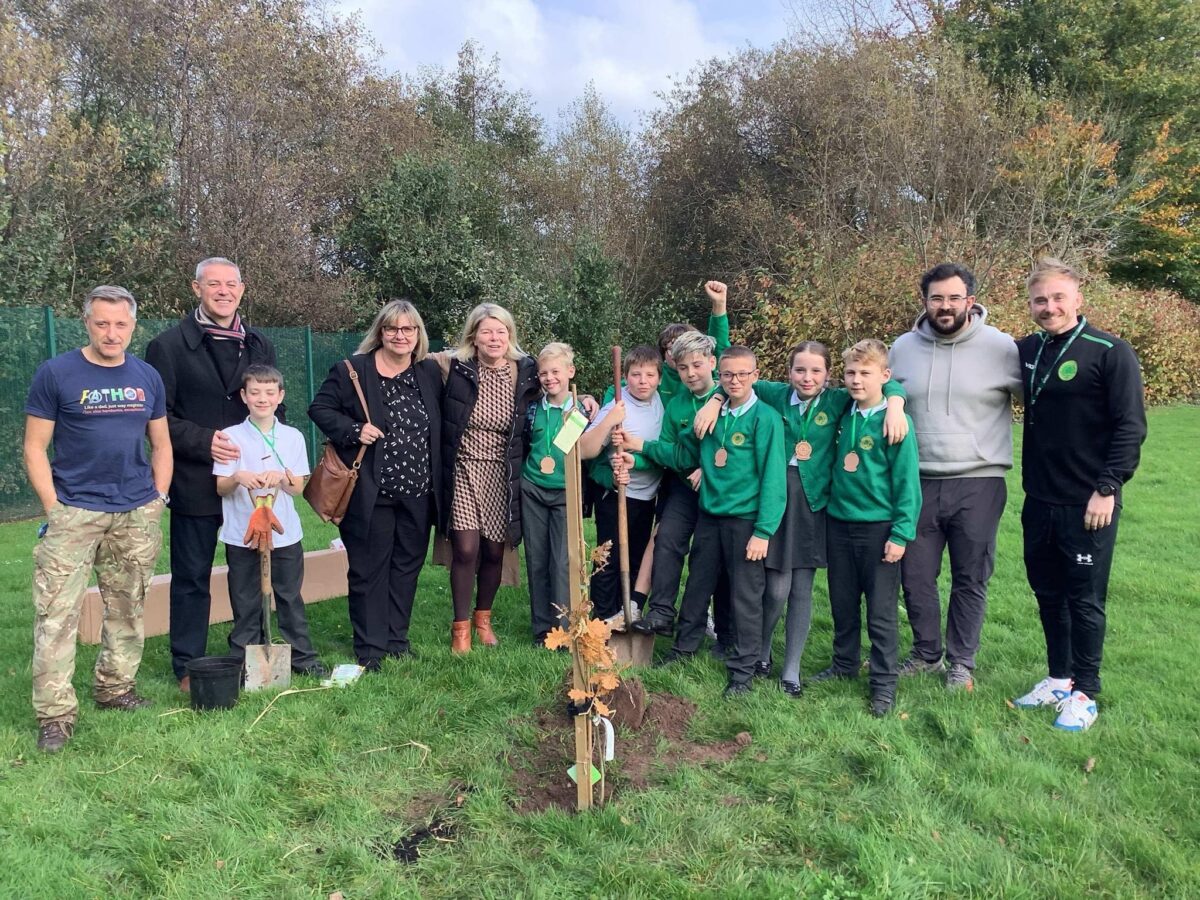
x,y
737,376
953,300
393,330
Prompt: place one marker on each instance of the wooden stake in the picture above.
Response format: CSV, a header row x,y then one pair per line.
x,y
576,554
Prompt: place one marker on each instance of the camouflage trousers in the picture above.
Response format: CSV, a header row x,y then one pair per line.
x,y
122,547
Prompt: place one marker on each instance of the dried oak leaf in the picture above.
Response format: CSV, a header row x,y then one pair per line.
x,y
577,695
557,638
601,554
605,681
601,707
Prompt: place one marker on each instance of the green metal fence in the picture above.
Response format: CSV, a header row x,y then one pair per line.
x,y
30,335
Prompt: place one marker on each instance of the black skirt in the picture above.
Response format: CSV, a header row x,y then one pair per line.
x,y
800,541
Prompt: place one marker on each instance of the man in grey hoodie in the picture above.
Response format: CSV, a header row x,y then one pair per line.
x,y
961,375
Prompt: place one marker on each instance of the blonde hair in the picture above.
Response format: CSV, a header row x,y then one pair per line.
x,y
868,351
1049,267
558,350
693,343
466,343
392,311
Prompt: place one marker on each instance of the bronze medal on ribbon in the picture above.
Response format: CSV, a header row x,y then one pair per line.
x,y
803,451
850,464
721,457
547,465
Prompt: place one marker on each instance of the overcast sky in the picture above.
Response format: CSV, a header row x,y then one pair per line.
x,y
629,49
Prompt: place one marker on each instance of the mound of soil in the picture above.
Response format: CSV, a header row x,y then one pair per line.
x,y
660,744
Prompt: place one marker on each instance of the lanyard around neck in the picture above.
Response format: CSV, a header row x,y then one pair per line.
x,y
1035,386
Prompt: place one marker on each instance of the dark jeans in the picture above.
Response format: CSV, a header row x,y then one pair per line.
x,y
245,596
544,528
672,540
382,575
606,583
193,546
719,551
855,551
964,515
1068,567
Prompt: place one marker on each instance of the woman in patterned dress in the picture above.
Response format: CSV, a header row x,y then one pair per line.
x,y
399,490
489,384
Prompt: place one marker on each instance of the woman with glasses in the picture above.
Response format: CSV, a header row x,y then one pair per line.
x,y
397,498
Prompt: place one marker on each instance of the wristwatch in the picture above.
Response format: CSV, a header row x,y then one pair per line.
x,y
165,498
1105,490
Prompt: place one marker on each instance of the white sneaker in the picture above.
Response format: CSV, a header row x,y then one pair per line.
x,y
1076,712
1043,694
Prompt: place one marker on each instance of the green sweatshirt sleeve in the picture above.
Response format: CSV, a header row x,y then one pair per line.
x,y
773,393
893,388
687,452
718,330
662,451
906,488
772,463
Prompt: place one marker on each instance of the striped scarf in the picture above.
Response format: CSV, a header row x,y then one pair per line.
x,y
235,332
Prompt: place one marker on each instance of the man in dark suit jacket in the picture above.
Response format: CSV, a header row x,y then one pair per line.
x,y
201,361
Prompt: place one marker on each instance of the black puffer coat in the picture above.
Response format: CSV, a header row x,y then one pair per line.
x,y
458,402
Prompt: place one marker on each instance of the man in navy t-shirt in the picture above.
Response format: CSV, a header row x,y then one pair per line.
x,y
104,501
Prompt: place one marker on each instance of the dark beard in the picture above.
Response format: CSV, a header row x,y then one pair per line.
x,y
959,321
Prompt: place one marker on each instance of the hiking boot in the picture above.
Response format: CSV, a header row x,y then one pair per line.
x,y
673,656
127,702
53,736
653,626
1076,712
914,665
881,705
958,677
793,689
762,669
830,674
1043,694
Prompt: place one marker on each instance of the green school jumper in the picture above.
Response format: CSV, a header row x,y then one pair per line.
x,y
545,423
816,424
886,486
753,482
677,420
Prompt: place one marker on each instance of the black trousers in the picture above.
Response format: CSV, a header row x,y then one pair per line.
x,y
719,552
672,540
544,528
964,515
856,568
382,575
606,583
193,546
1068,568
245,596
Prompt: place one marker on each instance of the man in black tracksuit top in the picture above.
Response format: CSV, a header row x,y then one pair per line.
x,y
1084,425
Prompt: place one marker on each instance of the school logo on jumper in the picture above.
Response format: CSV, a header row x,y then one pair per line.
x,y
737,439
1068,370
867,442
821,419
112,399
1083,559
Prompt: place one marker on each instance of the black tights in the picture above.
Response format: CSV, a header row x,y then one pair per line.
x,y
474,554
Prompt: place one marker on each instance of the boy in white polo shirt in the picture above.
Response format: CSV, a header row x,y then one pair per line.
x,y
272,459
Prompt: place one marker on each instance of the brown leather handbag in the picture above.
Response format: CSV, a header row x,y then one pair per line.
x,y
328,490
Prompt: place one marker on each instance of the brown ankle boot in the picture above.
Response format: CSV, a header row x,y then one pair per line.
x,y
483,627
460,637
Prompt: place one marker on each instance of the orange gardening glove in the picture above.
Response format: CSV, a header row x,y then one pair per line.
x,y
262,522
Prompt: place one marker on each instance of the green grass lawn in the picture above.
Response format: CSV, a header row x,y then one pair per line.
x,y
954,795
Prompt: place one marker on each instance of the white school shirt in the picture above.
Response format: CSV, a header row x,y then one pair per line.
x,y
644,419
256,456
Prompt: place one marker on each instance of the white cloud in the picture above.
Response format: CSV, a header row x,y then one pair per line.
x,y
630,49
